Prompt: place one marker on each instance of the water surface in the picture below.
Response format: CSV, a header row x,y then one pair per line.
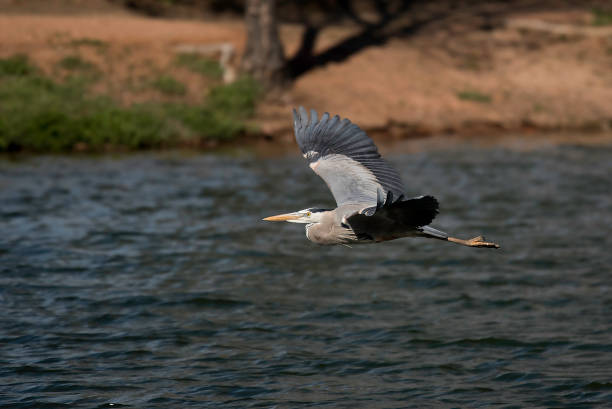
x,y
150,281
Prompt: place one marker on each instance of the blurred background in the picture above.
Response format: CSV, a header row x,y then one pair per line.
x,y
112,75
142,142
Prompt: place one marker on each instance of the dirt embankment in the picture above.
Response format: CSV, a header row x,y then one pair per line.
x,y
519,77
538,71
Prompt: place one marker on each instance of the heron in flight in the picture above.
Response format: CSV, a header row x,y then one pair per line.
x,y
368,191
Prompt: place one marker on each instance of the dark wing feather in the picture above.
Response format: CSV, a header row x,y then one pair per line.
x,y
345,157
393,218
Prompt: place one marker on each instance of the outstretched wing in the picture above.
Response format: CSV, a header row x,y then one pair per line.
x,y
345,158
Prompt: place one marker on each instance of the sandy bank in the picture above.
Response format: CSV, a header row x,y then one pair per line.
x,y
512,78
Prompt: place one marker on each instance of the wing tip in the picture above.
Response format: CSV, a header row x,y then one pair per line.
x,y
314,117
302,118
296,119
303,115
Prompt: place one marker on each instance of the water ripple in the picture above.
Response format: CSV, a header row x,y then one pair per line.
x,y
150,281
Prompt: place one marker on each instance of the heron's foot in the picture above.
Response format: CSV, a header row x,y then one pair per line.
x,y
480,241
477,241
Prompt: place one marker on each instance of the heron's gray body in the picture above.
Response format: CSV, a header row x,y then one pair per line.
x,y
348,225
372,205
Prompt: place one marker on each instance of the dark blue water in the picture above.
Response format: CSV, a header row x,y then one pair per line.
x,y
149,281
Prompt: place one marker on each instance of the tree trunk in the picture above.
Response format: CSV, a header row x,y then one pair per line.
x,y
263,56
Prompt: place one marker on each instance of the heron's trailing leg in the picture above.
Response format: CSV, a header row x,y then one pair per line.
x,y
477,241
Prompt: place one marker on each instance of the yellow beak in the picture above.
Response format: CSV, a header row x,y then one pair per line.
x,y
282,217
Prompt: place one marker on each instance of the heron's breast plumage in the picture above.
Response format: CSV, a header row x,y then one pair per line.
x,y
326,234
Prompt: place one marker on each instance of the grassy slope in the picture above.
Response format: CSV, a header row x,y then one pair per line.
x,y
41,114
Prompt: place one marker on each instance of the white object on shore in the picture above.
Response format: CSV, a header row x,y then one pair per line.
x,y
226,53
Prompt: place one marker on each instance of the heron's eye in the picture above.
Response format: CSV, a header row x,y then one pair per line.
x,y
307,214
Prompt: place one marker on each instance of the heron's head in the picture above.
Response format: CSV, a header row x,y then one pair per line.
x,y
312,215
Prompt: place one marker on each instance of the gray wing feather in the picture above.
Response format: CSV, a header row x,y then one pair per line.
x,y
345,157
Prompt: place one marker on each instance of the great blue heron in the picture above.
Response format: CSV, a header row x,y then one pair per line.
x,y
368,191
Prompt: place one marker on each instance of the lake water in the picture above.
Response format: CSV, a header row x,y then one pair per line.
x,y
149,280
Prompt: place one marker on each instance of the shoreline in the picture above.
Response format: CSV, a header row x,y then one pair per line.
x,y
512,79
265,146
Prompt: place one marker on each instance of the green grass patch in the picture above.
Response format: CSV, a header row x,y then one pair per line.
x,y
76,63
16,65
89,42
200,65
225,111
475,96
602,17
41,115
168,85
238,97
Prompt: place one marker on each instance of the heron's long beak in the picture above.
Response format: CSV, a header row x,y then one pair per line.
x,y
283,217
